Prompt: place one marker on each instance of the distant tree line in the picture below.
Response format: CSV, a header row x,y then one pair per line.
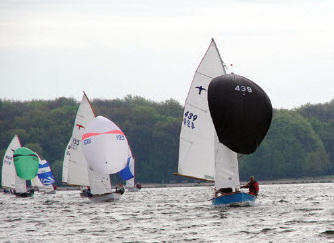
x,y
300,142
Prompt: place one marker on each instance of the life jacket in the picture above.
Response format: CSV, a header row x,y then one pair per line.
x,y
254,187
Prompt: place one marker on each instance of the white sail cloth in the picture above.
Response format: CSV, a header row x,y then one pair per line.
x,y
201,155
105,146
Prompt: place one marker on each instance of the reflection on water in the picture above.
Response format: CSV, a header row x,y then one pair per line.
x,y
282,213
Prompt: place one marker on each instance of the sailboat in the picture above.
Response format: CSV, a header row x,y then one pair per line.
x,y
45,179
76,171
202,155
9,178
26,167
106,151
131,184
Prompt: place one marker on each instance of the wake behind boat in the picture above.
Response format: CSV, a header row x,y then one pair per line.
x,y
208,142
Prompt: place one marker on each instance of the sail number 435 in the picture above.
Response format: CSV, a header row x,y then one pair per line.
x,y
243,88
189,119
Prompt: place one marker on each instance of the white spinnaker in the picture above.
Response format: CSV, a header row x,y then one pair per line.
x,y
8,178
197,139
105,146
75,170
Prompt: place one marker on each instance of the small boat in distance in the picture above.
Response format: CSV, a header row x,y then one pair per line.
x,y
44,180
77,171
26,165
131,184
8,176
106,151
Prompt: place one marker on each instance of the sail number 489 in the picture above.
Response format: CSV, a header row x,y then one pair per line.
x,y
243,88
189,119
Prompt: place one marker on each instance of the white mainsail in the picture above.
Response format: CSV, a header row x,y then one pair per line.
x,y
201,155
37,183
75,170
131,182
8,178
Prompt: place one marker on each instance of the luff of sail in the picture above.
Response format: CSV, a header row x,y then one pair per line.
x,y
198,145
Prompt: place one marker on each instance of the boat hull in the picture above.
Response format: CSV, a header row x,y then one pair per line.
x,y
50,192
25,194
108,197
234,199
133,189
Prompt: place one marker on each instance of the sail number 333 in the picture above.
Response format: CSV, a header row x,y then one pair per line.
x,y
189,119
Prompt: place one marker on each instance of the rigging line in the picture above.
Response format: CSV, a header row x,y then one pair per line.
x,y
197,107
204,74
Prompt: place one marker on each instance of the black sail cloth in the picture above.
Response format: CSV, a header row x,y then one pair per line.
x,y
241,112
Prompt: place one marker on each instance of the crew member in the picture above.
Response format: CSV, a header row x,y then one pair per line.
x,y
253,186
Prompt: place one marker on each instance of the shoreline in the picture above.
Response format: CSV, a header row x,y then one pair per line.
x,y
329,179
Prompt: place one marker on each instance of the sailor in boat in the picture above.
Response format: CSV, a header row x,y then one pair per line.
x,y
138,185
253,186
86,192
120,189
223,191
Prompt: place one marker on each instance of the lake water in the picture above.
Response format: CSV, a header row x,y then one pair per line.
x,y
282,213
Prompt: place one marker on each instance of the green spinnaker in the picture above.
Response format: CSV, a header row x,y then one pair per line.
x,y
26,163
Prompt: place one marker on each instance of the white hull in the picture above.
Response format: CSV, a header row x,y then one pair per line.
x,y
108,197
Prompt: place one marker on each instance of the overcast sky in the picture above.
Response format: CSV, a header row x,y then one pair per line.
x,y
151,48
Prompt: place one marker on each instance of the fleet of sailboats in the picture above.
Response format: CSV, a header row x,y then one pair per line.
x,y
9,180
98,148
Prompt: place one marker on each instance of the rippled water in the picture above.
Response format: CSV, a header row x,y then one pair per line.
x,y
283,213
